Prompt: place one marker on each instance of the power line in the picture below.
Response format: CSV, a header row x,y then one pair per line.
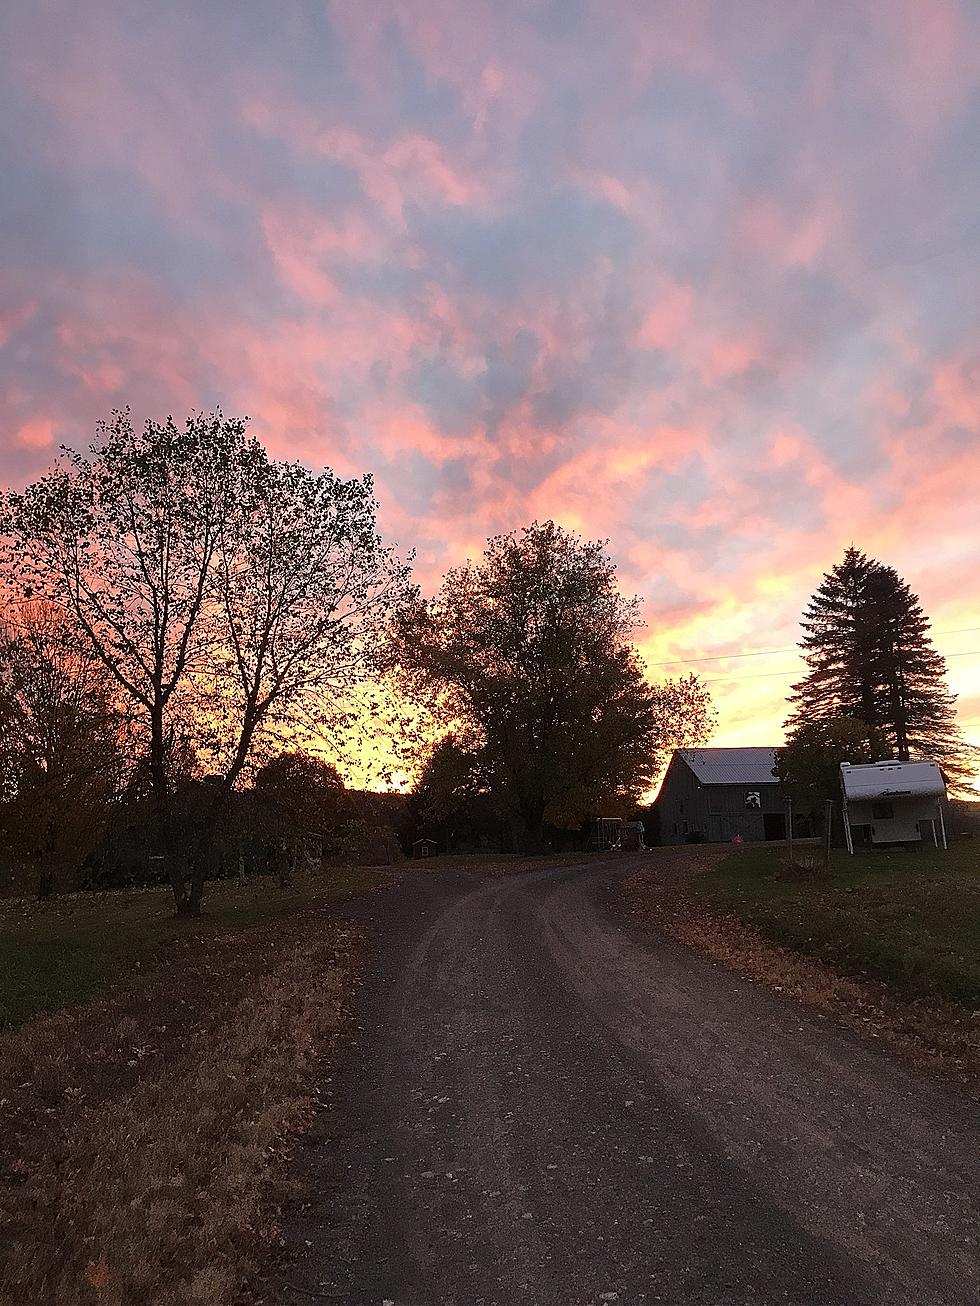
x,y
792,671
792,648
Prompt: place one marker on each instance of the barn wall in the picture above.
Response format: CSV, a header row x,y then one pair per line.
x,y
680,805
728,816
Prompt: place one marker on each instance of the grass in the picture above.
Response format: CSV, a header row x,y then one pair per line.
x,y
68,950
148,1110
908,918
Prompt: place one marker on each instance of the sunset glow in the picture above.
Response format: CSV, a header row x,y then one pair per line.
x,y
702,279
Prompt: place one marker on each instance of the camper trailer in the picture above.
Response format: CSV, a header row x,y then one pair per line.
x,y
893,802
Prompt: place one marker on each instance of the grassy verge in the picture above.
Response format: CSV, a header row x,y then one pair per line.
x,y
886,946
69,949
144,1133
909,919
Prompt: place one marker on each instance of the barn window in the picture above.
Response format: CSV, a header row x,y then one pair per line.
x,y
882,812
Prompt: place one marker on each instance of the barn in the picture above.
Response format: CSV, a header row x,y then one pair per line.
x,y
710,795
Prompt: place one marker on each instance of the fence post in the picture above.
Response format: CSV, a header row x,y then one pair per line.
x,y
828,820
789,829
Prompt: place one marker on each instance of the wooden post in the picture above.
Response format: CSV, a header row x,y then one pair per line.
x,y
789,829
828,820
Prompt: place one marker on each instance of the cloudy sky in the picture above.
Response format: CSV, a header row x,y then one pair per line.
x,y
699,277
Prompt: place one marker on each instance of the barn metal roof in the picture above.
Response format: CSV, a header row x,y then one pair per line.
x,y
731,766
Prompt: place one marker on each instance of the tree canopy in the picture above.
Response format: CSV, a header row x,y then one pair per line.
x,y
527,657
233,601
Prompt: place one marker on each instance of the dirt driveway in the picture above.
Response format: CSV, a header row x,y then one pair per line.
x,y
544,1107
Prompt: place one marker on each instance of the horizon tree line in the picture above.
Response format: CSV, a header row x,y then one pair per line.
x,y
180,602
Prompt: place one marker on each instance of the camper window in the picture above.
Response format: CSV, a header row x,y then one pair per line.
x,y
882,811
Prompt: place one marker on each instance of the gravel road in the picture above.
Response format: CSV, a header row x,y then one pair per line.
x,y
544,1106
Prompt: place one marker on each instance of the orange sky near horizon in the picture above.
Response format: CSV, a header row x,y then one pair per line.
x,y
700,279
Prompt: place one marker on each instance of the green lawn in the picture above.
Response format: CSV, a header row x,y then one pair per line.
x,y
911,918
65,950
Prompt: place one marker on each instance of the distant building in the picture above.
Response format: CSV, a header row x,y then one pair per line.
x,y
710,795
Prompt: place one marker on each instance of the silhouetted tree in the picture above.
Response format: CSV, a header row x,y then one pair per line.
x,y
306,592
124,539
232,598
445,796
870,658
839,682
306,795
527,656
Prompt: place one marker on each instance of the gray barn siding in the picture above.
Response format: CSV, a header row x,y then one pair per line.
x,y
681,804
717,812
728,816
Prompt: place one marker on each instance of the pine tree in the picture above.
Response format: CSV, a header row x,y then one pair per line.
x,y
870,656
914,706
840,681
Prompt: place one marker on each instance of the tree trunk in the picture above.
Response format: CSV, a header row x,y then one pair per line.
x,y
899,703
203,844
200,859
163,820
532,820
205,838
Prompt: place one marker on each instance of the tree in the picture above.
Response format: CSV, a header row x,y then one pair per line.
x,y
839,681
123,540
444,796
306,591
306,795
230,597
915,708
870,658
808,765
60,758
527,657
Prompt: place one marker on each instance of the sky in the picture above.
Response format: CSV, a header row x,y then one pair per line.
x,y
700,278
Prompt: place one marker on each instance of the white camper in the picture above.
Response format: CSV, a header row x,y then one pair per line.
x,y
893,801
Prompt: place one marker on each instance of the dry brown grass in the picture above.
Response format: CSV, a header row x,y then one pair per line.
x,y
937,1035
142,1136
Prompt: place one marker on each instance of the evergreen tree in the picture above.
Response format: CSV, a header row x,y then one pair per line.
x,y
866,643
835,637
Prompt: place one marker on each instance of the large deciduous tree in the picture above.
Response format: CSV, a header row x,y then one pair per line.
x,y
870,658
305,591
527,656
123,539
230,597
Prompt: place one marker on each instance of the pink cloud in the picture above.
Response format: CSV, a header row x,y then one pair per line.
x,y
39,433
727,369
